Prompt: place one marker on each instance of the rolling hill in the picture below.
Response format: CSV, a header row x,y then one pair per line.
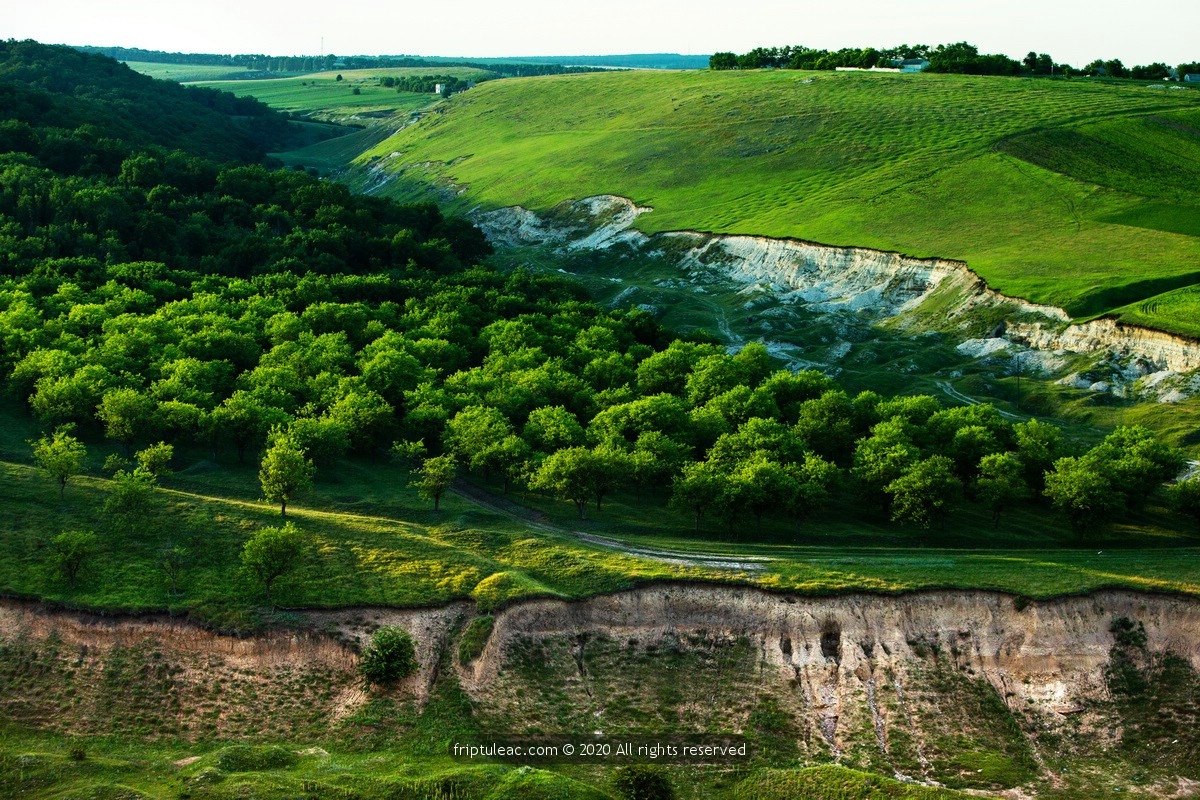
x,y
1076,193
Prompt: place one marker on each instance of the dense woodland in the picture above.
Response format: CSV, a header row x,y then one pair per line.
x,y
151,294
960,58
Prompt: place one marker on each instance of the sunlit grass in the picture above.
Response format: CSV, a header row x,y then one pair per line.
x,y
929,165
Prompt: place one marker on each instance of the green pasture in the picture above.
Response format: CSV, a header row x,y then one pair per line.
x,y
321,94
1077,193
185,73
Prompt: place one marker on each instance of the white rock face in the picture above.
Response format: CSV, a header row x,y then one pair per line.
x,y
979,348
845,279
1159,349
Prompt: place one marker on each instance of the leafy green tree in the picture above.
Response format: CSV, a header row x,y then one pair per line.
x,y
391,656
813,476
1039,445
1184,497
1137,462
1083,493
408,452
579,474
925,492
246,418
826,425
723,60
365,416
699,488
511,459
322,439
476,435
172,560
553,428
968,446
435,477
284,472
883,457
758,485
127,415
156,459
132,497
70,551
656,459
272,553
1001,483
61,455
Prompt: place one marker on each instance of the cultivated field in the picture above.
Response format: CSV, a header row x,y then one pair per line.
x,y
321,94
184,73
1077,193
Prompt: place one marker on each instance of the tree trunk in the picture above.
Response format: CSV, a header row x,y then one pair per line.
x,y
581,505
437,499
697,512
62,489
283,508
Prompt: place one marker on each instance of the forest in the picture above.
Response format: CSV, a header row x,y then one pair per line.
x,y
162,296
961,58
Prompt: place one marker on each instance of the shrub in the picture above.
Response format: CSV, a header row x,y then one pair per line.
x,y
642,782
70,550
390,657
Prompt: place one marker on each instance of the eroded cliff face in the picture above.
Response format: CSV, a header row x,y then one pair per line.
x,y
850,279
965,689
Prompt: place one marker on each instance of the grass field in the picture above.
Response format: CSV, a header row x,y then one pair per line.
x,y
322,95
184,73
1075,193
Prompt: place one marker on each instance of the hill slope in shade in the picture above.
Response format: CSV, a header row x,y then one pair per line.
x,y
1072,193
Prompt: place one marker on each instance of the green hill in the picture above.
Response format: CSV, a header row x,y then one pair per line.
x,y
1077,193
82,96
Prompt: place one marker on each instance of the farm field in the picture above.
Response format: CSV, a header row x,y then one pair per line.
x,y
322,95
185,73
1072,193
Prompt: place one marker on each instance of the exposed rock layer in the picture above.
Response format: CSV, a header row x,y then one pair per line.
x,y
828,278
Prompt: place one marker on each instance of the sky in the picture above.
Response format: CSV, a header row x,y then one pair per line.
x,y
1072,31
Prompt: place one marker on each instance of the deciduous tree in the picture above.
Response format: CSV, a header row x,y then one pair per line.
x,y
271,553
61,455
284,472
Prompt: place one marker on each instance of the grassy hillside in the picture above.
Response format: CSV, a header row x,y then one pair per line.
x,y
1075,193
321,94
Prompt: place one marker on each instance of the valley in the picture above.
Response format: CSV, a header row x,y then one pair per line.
x,y
852,414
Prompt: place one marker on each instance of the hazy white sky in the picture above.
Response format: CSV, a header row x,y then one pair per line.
x,y
1074,31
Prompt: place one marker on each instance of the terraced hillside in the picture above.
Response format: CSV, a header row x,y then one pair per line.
x,y
1075,193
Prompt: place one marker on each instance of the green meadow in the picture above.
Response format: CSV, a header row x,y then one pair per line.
x,y
184,73
321,94
1077,193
